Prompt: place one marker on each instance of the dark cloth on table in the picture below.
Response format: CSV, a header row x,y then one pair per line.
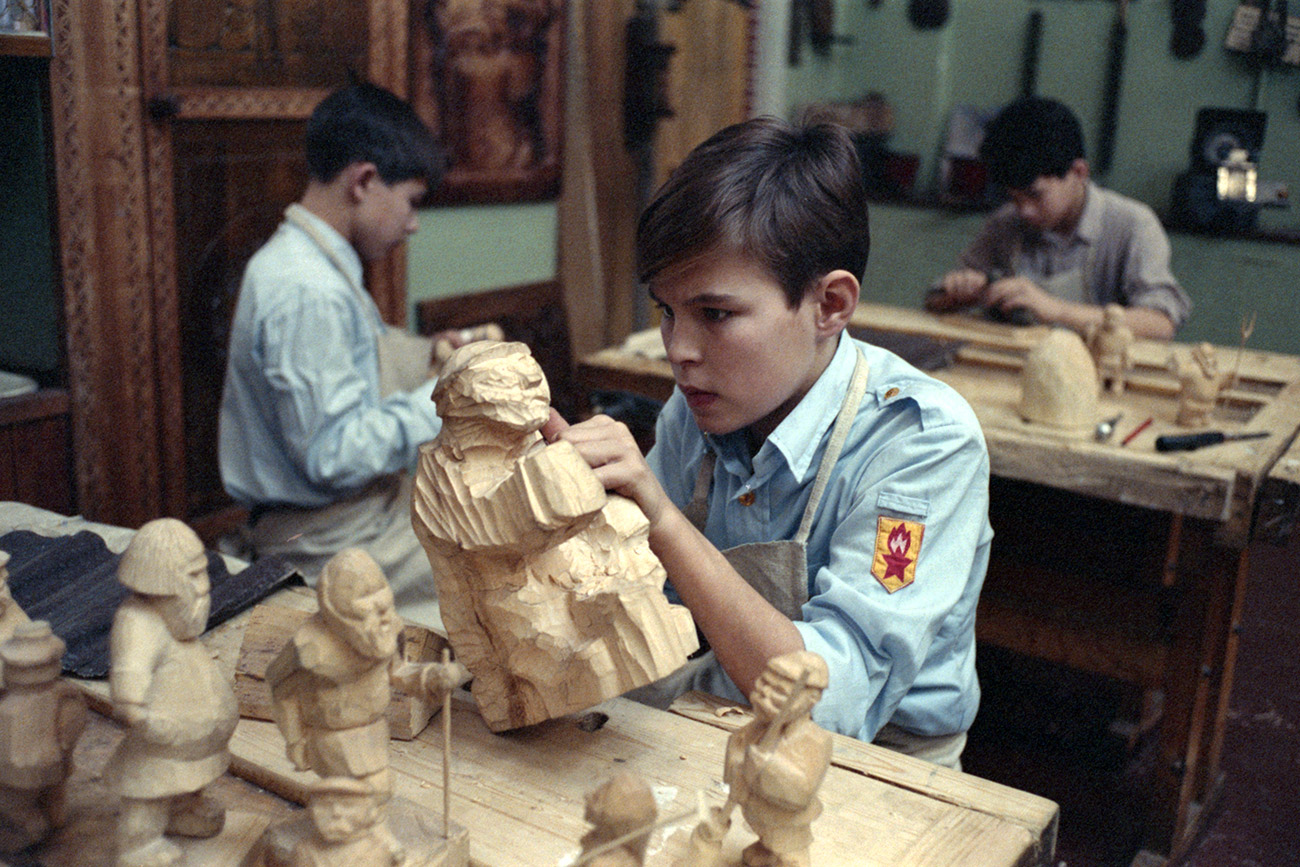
x,y
71,581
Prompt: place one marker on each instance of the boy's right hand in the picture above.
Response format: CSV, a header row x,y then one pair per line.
x,y
959,288
609,448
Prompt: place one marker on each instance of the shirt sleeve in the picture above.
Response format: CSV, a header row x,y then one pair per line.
x,y
1149,280
993,247
335,427
875,642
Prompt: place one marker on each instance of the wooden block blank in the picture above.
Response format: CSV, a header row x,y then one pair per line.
x,y
271,625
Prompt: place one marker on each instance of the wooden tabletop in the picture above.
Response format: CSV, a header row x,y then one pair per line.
x,y
520,794
1218,483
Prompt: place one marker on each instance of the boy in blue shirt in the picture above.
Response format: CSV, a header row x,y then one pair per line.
x,y
317,429
805,490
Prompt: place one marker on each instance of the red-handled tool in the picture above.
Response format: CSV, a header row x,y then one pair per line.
x,y
1187,442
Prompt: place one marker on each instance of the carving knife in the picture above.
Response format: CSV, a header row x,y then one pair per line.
x,y
1187,442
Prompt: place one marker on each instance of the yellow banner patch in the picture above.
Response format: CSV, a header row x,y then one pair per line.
x,y
898,545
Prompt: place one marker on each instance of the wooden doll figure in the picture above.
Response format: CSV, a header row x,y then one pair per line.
x,y
619,806
11,613
41,718
344,814
1110,344
776,763
178,706
549,591
331,685
1201,381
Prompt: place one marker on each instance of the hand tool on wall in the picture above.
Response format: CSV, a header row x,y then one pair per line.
x,y
1191,441
1029,60
1188,36
927,14
1114,79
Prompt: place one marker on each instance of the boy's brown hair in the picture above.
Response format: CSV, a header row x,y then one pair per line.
x,y
788,196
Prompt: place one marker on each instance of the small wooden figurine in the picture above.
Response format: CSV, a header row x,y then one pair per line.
x,y
1201,381
1059,383
549,591
617,808
1110,344
774,766
178,706
331,684
41,717
344,814
11,613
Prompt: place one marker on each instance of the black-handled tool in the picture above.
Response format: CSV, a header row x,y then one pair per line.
x,y
1187,442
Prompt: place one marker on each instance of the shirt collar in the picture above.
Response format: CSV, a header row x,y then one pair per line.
x,y
798,437
1089,228
335,247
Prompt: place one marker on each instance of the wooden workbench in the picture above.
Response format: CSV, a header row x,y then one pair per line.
x,y
521,794
1113,559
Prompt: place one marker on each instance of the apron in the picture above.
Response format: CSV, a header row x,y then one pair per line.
x,y
1073,285
777,570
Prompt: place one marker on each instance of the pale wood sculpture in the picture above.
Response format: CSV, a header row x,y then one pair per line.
x,y
41,717
444,346
344,813
774,766
330,689
1200,380
11,613
269,628
549,591
1058,386
617,809
1110,344
177,704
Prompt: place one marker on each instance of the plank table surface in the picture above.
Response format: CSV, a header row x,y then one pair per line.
x,y
521,793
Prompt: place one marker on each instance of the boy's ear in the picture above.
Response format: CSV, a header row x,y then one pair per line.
x,y
359,175
837,296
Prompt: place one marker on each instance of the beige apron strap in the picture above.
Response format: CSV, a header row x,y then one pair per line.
x,y
840,433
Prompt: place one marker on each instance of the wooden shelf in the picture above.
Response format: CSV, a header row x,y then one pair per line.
x,y
35,44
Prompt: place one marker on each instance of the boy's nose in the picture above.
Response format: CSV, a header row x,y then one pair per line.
x,y
681,343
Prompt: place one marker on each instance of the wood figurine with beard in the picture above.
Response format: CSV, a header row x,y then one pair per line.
x,y
549,590
178,707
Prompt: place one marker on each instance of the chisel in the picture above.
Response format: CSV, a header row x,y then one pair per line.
x,y
1187,442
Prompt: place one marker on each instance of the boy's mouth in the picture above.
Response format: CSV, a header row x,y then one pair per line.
x,y
696,398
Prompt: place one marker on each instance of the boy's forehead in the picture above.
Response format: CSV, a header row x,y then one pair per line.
x,y
712,277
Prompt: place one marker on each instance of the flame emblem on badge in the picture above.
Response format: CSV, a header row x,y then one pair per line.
x,y
899,542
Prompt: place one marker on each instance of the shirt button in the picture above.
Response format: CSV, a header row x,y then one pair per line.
x,y
746,499
891,393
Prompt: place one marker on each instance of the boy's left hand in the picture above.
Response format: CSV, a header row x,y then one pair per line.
x,y
609,448
1021,293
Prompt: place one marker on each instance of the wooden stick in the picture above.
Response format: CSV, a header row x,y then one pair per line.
x,y
446,753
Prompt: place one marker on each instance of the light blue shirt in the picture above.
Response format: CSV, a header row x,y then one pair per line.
x,y
915,452
302,421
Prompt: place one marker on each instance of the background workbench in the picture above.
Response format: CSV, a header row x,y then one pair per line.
x,y
1112,559
520,794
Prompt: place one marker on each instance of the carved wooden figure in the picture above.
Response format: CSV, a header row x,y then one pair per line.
x,y
41,717
618,807
774,766
549,591
1110,344
11,613
330,686
344,814
1059,383
1201,380
178,706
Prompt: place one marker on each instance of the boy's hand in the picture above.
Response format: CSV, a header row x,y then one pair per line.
x,y
1021,293
609,448
959,288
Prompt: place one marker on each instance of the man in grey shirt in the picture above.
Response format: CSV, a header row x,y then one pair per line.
x,y
1063,247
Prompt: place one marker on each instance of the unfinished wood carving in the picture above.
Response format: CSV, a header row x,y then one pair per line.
x,y
549,591
1110,344
620,806
41,717
1200,380
178,707
344,813
11,613
1059,383
774,766
330,689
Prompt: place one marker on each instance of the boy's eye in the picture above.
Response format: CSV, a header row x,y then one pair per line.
x,y
714,314
664,309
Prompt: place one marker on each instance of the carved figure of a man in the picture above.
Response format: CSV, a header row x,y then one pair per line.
x,y
345,814
549,591
1110,344
41,717
776,763
331,684
178,705
11,613
1201,381
616,808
